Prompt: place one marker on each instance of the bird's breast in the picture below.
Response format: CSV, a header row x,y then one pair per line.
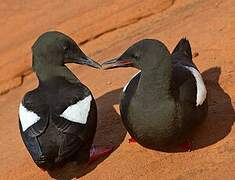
x,y
152,117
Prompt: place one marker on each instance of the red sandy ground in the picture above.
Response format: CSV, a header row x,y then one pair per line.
x,y
105,30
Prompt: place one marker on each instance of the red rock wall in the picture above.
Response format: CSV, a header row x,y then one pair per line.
x,y
23,21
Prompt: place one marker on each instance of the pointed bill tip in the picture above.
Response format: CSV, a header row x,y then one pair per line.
x,y
117,62
109,64
90,62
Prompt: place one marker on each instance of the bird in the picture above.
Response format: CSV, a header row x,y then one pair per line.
x,y
167,99
58,119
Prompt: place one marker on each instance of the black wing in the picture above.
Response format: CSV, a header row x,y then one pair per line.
x,y
183,85
184,90
33,102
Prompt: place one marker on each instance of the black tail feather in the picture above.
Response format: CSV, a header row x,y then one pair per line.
x,y
183,47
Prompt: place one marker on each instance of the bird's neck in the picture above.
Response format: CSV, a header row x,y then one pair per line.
x,y
154,83
47,72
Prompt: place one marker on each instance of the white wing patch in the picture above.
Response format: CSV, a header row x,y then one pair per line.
x,y
78,112
27,118
124,89
201,88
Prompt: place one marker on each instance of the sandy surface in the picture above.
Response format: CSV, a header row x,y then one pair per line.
x,y
104,30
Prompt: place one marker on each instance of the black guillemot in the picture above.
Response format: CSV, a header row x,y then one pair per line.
x,y
167,99
58,119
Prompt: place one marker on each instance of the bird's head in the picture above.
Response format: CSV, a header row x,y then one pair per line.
x,y
145,54
56,48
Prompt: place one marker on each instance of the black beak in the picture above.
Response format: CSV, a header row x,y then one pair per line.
x,y
89,62
117,62
84,60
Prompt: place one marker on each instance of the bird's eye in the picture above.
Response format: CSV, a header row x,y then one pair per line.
x,y
135,56
65,48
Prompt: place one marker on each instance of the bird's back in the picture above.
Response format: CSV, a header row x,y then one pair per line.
x,y
56,136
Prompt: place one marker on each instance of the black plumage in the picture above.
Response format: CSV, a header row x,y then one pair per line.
x,y
160,105
52,139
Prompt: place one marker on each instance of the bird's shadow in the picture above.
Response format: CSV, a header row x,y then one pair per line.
x,y
220,117
110,132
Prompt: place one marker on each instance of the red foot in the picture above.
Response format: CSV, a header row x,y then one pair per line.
x,y
132,140
98,152
186,146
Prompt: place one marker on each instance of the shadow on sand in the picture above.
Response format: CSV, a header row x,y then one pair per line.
x,y
110,132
